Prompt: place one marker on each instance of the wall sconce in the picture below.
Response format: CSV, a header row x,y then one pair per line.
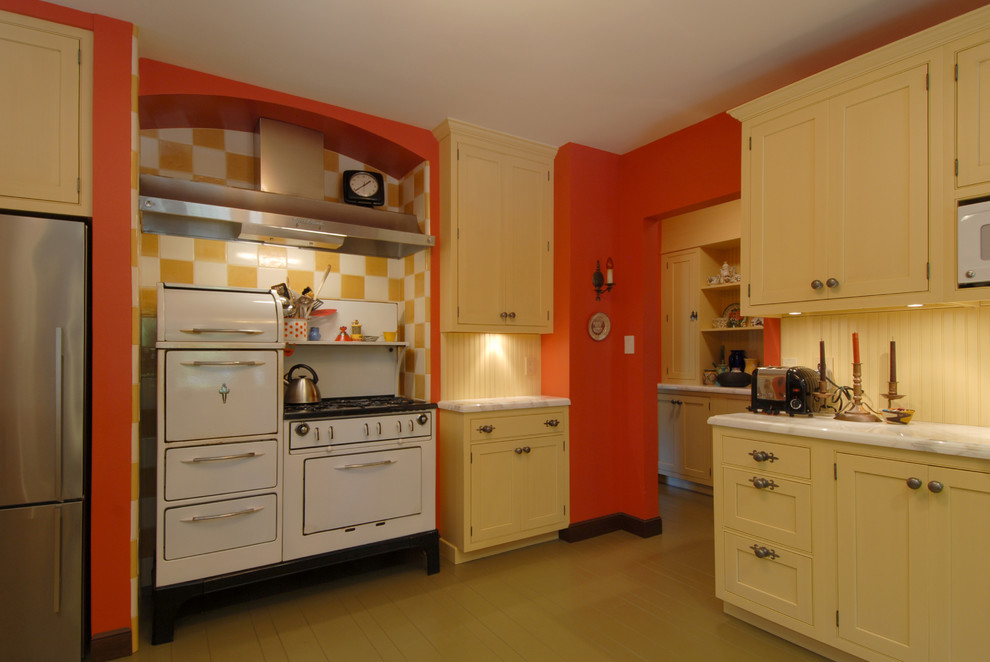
x,y
602,283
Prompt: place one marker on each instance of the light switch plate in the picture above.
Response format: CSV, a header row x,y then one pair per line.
x,y
630,344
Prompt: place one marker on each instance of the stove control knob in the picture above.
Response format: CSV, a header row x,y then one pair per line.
x,y
422,419
302,429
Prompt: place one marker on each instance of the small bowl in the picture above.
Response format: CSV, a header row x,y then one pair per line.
x,y
734,379
367,338
898,415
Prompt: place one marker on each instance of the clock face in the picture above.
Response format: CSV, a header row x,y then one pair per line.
x,y
363,184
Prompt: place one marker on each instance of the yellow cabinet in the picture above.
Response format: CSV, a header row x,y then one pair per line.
x,y
46,106
497,219
504,480
911,569
973,113
684,436
679,337
835,194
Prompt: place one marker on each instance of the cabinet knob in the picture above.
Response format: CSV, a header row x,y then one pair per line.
x,y
552,423
763,456
518,451
914,483
526,449
486,428
817,284
503,314
832,282
512,316
676,402
693,316
763,483
935,486
764,553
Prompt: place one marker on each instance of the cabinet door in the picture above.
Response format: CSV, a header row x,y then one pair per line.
x,y
973,114
543,483
40,105
696,464
495,491
480,265
527,266
787,206
960,538
669,434
882,543
679,307
878,187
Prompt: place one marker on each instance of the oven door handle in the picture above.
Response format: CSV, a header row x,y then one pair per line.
x,y
198,364
366,464
219,458
206,518
205,330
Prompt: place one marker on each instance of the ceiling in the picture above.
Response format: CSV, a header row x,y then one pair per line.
x,y
609,74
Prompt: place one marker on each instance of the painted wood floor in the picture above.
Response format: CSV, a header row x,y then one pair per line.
x,y
614,597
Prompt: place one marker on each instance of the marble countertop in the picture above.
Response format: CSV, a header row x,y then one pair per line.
x,y
497,404
942,438
695,388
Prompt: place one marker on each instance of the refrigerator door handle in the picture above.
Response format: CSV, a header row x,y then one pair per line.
x,y
58,413
57,591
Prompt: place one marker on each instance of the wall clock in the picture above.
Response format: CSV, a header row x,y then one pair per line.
x,y
363,187
598,326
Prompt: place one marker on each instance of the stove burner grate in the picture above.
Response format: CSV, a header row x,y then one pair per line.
x,y
330,407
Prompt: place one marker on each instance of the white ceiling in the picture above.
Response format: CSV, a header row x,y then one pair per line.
x,y
610,74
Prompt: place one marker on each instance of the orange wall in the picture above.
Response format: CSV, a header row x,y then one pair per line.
x,y
110,491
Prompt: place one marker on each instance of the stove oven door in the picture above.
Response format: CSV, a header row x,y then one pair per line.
x,y
349,490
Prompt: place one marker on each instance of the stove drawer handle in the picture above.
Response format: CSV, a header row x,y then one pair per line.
x,y
208,330
218,458
206,518
198,364
366,464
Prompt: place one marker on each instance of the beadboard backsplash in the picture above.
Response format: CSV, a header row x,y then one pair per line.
x,y
489,365
943,357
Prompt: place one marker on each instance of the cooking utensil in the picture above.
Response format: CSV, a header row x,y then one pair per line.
x,y
301,390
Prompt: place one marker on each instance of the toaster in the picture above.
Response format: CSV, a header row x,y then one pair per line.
x,y
776,390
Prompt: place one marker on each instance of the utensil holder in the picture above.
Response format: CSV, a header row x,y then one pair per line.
x,y
295,329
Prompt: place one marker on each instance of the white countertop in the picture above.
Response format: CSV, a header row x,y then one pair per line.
x,y
697,388
942,438
496,404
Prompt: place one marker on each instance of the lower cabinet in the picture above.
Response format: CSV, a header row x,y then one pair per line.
x,y
504,480
874,552
685,448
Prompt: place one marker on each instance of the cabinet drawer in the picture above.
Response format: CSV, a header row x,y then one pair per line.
x,y
781,580
213,394
200,315
540,422
195,471
780,512
219,525
782,459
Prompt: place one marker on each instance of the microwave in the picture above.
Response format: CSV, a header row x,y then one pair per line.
x,y
973,244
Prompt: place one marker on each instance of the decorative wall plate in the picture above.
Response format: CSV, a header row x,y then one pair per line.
x,y
598,326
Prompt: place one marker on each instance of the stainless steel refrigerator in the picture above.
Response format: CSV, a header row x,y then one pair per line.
x,y
43,404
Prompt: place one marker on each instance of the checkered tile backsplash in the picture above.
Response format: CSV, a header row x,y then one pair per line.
x,y
227,157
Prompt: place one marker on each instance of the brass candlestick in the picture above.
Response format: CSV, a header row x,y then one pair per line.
x,y
857,412
891,394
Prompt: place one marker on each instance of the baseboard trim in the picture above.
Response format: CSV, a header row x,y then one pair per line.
x,y
644,528
110,645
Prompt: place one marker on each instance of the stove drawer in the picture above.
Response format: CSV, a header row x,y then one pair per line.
x,y
195,471
209,316
214,394
219,525
348,490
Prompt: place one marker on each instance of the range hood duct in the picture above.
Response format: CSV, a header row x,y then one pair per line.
x,y
210,211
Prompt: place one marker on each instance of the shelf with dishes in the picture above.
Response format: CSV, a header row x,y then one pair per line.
x,y
734,329
353,343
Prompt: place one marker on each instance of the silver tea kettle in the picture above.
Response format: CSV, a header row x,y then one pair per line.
x,y
301,390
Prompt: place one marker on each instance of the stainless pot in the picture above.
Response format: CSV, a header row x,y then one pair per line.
x,y
301,390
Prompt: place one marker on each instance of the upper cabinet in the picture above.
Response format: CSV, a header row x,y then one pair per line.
x,y
972,73
850,178
835,193
497,220
46,74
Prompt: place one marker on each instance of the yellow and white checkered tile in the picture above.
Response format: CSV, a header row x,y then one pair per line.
x,y
228,158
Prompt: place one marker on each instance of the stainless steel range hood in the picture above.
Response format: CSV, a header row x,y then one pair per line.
x,y
209,211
